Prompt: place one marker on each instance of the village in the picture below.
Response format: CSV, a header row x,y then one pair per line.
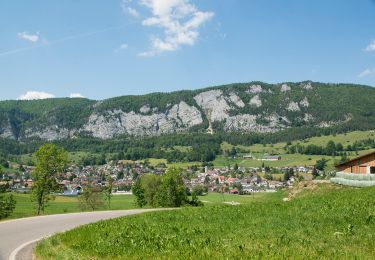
x,y
233,180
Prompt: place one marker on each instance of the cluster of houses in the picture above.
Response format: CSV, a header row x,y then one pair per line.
x,y
75,178
123,174
218,180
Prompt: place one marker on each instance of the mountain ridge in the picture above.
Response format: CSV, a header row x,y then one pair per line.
x,y
240,107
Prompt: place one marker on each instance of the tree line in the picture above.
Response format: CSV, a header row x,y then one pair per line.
x,y
330,149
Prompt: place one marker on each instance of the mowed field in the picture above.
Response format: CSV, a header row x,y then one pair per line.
x,y
63,204
323,222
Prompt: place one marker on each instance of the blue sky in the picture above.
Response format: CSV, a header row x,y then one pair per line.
x,y
100,49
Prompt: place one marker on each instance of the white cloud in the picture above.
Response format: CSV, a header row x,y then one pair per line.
x,y
179,21
371,46
366,72
29,37
129,10
31,95
123,46
76,95
133,12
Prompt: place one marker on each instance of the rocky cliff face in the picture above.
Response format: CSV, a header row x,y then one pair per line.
x,y
253,107
180,117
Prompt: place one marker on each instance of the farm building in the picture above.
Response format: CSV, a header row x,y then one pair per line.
x,y
272,158
360,165
358,172
248,157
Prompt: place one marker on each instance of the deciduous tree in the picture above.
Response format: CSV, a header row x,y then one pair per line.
x,y
50,160
91,198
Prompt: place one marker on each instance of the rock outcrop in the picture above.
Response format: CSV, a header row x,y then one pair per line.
x,y
213,104
179,117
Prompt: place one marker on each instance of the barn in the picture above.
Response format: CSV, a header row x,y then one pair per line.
x,y
358,172
364,164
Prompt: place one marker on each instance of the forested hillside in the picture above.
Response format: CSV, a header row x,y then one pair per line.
x,y
292,110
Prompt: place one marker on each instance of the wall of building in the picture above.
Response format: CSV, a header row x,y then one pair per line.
x,y
361,165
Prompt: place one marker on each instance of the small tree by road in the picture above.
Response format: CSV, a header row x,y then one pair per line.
x,y
7,203
50,160
139,193
108,191
91,198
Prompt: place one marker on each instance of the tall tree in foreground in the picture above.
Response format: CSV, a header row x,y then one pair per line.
x,y
50,160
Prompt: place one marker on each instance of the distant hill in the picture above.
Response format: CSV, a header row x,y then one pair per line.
x,y
247,108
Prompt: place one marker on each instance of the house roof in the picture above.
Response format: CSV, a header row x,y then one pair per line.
x,y
355,159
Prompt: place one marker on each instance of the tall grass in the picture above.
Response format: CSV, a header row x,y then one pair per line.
x,y
331,223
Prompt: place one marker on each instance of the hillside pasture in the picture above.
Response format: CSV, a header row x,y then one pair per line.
x,y
329,222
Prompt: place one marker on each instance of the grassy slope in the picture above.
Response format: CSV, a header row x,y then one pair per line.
x,y
330,223
62,204
258,151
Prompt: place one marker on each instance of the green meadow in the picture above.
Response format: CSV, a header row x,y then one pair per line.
x,y
287,160
326,222
63,204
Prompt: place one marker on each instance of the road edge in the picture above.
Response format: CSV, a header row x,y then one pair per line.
x,y
15,252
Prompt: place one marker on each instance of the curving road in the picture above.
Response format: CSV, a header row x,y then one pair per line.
x,y
17,236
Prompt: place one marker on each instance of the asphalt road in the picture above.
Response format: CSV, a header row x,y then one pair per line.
x,y
16,234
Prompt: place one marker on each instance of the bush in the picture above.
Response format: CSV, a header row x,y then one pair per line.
x,y
7,205
91,198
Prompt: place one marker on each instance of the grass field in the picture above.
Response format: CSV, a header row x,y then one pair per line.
x,y
74,157
259,150
344,139
214,198
286,160
63,204
328,222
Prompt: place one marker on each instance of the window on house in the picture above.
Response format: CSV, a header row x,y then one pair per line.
x,y
372,170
